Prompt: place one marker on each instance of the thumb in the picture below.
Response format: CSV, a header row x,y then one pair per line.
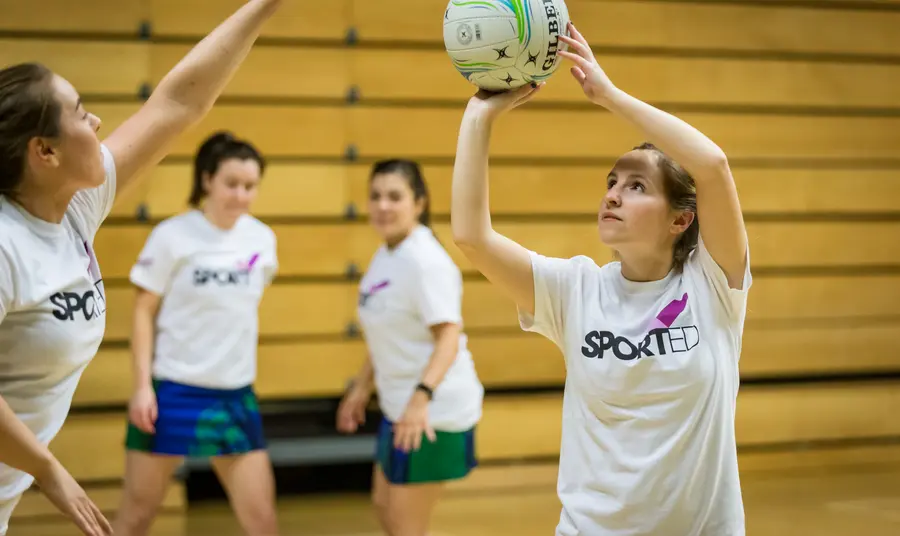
x,y
429,433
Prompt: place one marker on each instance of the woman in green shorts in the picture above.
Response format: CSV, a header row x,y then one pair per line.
x,y
410,303
199,279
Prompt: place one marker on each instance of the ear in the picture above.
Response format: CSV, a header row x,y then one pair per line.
x,y
420,206
207,182
683,220
42,152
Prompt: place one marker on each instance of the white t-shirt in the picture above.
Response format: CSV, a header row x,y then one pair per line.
x,y
406,290
648,444
211,282
52,314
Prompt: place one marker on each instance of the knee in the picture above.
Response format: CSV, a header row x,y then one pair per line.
x,y
262,521
406,523
135,516
382,510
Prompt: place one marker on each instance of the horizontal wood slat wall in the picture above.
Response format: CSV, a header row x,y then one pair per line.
x,y
312,250
528,426
801,96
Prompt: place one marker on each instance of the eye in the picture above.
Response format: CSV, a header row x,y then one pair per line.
x,y
639,186
610,183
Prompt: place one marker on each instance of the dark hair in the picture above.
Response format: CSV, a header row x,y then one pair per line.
x,y
413,174
681,191
28,109
216,149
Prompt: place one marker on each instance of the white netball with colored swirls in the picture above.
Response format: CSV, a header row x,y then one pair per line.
x,y
504,44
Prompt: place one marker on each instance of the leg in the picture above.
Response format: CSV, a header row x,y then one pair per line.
x,y
414,480
380,497
410,507
147,477
250,484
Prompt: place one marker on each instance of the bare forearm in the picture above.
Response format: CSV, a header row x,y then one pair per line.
x,y
442,359
200,77
142,349
687,145
19,447
365,378
470,203
501,260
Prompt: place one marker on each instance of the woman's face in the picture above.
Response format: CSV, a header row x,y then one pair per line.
x,y
233,188
635,213
393,209
76,156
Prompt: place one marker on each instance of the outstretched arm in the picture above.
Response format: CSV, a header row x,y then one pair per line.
x,y
502,261
187,93
718,208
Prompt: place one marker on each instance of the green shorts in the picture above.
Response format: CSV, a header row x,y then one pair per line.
x,y
450,457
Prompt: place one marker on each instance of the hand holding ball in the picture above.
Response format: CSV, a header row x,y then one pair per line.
x,y
500,45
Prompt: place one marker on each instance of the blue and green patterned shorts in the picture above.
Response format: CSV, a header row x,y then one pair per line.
x,y
450,457
201,422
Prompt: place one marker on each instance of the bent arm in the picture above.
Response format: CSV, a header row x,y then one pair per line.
x,y
187,93
718,207
365,378
446,347
146,305
502,261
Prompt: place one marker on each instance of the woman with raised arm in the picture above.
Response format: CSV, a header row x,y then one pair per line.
x,y
652,340
58,182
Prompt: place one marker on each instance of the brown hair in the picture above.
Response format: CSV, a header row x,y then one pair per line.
x,y
413,174
681,191
28,109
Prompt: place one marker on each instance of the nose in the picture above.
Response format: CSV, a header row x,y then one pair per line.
x,y
612,197
383,205
243,196
96,122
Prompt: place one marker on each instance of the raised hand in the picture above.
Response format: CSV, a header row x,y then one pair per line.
x,y
492,105
587,72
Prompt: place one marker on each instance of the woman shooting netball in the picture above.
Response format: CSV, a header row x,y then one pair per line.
x,y
652,340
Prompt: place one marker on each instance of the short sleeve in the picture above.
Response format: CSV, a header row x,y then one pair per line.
x,y
93,205
733,300
438,294
554,282
270,267
6,286
153,269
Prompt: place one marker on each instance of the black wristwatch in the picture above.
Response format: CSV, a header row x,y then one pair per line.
x,y
425,389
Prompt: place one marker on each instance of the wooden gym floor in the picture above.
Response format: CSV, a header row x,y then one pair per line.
x,y
832,502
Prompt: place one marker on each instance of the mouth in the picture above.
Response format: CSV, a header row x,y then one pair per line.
x,y
609,216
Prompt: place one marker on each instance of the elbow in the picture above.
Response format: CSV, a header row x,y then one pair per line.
x,y
713,166
717,161
467,235
467,241
181,112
